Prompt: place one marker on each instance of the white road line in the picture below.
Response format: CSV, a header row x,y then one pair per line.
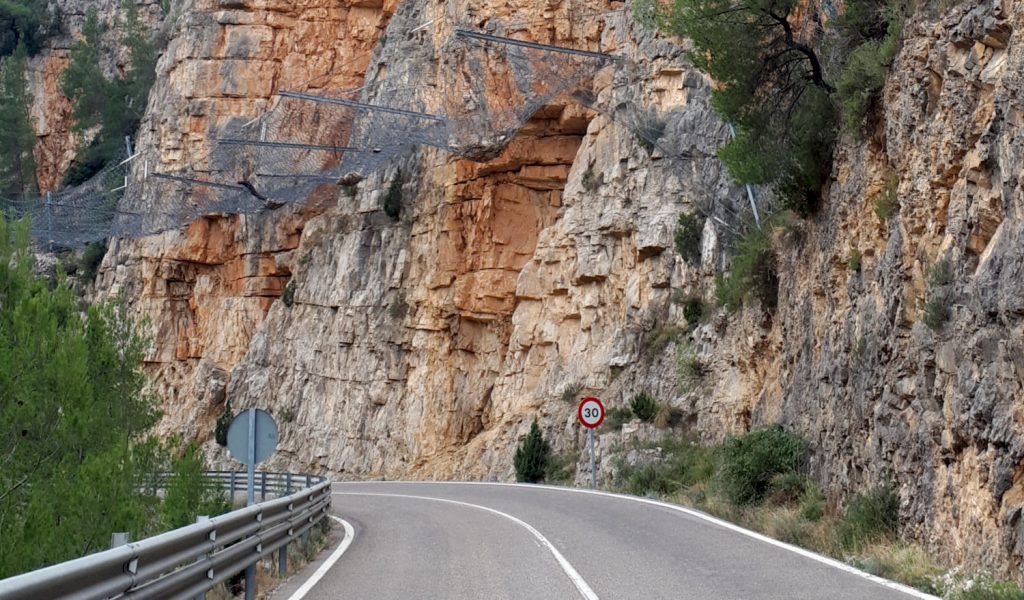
x,y
574,576
350,534
695,513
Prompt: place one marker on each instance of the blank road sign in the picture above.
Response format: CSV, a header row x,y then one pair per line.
x,y
266,436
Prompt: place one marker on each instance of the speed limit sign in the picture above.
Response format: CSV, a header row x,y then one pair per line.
x,y
591,412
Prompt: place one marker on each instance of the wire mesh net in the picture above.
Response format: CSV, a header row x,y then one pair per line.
x,y
306,144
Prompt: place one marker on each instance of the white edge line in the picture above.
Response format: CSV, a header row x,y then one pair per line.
x,y
350,534
574,576
705,517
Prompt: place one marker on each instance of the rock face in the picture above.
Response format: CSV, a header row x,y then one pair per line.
x,y
907,370
206,289
424,346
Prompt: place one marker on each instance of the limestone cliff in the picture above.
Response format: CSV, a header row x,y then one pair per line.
x,y
424,346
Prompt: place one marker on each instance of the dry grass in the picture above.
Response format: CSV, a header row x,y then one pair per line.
x,y
300,554
904,563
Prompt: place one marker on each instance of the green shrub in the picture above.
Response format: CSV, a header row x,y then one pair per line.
x,y
220,430
752,273
286,414
789,488
684,464
649,129
751,462
936,306
689,367
288,297
887,202
571,392
986,588
689,230
693,310
89,263
812,504
616,417
869,517
936,311
393,197
560,468
590,180
872,31
651,479
531,457
644,407
941,273
854,260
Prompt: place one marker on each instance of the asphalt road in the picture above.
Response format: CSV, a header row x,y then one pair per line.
x,y
493,542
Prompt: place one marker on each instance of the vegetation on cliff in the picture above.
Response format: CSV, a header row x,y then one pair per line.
x,y
786,85
17,165
26,23
75,460
113,106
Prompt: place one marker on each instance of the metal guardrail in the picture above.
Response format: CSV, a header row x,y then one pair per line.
x,y
186,562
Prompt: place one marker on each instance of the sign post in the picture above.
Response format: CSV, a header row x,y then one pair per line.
x,y
591,414
252,438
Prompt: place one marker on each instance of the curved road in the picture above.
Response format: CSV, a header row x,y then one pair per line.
x,y
492,541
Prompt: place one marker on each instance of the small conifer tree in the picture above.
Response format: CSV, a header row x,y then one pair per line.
x,y
532,456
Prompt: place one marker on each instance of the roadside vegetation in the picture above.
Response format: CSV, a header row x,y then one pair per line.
x,y
76,459
759,480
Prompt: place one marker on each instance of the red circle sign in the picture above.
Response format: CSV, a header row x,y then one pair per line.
x,y
590,412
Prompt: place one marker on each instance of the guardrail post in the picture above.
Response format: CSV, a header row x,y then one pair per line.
x,y
308,484
288,484
282,561
118,539
201,519
231,487
263,486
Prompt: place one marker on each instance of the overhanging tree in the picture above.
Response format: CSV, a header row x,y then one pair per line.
x,y
770,82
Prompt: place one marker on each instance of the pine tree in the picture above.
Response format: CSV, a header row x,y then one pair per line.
x,y
770,83
17,164
532,456
71,401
